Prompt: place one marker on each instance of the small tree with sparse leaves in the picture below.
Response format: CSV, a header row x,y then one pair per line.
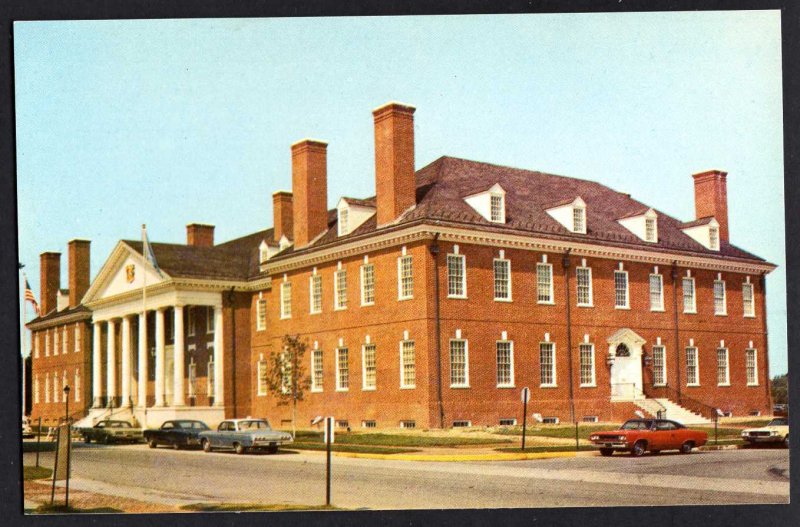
x,y
286,377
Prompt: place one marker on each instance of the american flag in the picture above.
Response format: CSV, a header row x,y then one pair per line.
x,y
30,297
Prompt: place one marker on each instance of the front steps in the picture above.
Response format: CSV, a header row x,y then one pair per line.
x,y
672,410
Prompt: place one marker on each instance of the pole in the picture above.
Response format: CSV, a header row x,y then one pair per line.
x,y
55,470
577,447
38,439
524,419
69,444
328,432
24,340
716,420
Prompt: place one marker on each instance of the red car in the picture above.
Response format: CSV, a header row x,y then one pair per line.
x,y
638,436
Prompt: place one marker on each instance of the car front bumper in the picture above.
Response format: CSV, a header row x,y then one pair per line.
x,y
616,445
763,439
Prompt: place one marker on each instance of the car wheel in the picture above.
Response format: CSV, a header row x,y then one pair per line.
x,y
606,452
272,450
87,439
655,451
152,443
687,447
786,441
206,445
639,448
239,448
107,440
176,445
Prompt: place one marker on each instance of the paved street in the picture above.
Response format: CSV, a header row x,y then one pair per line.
x,y
179,477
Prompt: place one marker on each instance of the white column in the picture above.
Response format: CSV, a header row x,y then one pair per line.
x,y
178,348
126,361
141,400
218,358
111,364
160,357
97,371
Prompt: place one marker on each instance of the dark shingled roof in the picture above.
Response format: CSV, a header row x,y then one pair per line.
x,y
369,202
697,222
55,314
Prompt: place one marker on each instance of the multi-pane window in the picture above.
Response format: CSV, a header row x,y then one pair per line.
x,y
76,388
192,379
656,292
47,343
458,363
36,339
713,238
547,362
190,318
586,352
77,337
55,341
659,366
544,283
210,314
751,364
505,363
650,229
56,387
496,205
720,306
316,371
369,364
262,377
261,314
723,373
367,284
621,289
579,219
502,279
405,277
210,375
583,279
286,299
342,369
456,276
64,340
692,377
36,389
47,388
340,285
689,301
408,367
286,373
343,217
315,288
748,305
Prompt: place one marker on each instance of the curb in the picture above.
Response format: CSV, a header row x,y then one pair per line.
x,y
458,457
720,447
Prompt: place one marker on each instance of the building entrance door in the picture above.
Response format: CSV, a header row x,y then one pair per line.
x,y
625,352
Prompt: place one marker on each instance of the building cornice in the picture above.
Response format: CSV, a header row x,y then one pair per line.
x,y
59,321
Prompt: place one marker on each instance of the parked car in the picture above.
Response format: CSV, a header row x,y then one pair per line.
x,y
177,434
780,410
242,435
776,431
111,431
638,436
27,431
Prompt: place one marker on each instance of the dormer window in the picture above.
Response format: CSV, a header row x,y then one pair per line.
x,y
498,208
263,252
713,238
570,214
490,204
650,229
351,213
343,215
643,224
704,231
579,219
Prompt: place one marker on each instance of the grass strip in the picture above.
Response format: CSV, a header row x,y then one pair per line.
x,y
536,449
29,472
61,509
252,507
358,449
398,440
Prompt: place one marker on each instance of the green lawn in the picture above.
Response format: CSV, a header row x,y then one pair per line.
x,y
360,449
30,472
757,423
558,431
535,449
249,507
398,440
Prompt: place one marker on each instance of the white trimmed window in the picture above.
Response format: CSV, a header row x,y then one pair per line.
x,y
210,373
36,338
343,220
262,377
650,229
405,277
713,238
286,299
316,371
583,280
46,388
36,389
621,289
77,337
367,284
656,292
723,371
261,314
210,317
497,212
190,318
369,366
56,387
286,373
751,364
586,352
342,370
692,375
459,366
502,279
689,300
315,289
659,366
720,305
408,367
748,303
505,363
547,363
76,388
192,378
544,283
456,276
579,219
47,343
340,285
55,341
64,340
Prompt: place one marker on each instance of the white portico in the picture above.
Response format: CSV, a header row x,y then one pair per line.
x,y
625,357
158,349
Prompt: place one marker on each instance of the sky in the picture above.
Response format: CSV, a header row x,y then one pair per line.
x,y
169,122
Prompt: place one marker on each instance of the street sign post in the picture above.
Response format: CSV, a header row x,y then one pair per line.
x,y
328,441
526,396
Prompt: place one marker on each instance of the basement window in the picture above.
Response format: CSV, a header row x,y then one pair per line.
x,y
755,413
589,419
508,422
408,424
462,424
343,423
550,420
368,424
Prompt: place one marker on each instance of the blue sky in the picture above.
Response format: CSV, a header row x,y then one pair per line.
x,y
169,122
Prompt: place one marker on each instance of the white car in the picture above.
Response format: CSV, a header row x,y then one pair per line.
x,y
27,431
776,431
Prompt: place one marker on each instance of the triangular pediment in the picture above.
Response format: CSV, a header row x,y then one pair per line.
x,y
124,271
626,336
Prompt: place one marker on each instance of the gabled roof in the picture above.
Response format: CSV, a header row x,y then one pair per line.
x,y
697,222
54,315
369,202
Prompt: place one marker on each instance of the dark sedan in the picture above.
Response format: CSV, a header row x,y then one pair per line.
x,y
177,434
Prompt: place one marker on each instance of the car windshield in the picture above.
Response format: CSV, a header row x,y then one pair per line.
x,y
118,424
635,424
196,425
779,422
254,425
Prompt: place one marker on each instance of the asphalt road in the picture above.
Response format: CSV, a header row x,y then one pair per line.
x,y
179,477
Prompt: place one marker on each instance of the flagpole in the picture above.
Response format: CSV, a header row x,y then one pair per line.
x,y
144,311
24,340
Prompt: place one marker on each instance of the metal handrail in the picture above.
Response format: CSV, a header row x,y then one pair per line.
x,y
694,405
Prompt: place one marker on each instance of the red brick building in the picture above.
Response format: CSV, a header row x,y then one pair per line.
x,y
434,302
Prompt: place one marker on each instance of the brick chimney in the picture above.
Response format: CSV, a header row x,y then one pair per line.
x,y
78,262
49,280
282,215
200,235
395,182
310,190
711,198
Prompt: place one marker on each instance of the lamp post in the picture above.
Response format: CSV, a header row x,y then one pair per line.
x,y
69,442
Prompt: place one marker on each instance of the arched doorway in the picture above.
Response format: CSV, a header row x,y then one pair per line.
x,y
625,352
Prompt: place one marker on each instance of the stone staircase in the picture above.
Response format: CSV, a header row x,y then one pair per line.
x,y
672,410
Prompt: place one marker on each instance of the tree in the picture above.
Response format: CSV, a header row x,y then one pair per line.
x,y
286,377
780,389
